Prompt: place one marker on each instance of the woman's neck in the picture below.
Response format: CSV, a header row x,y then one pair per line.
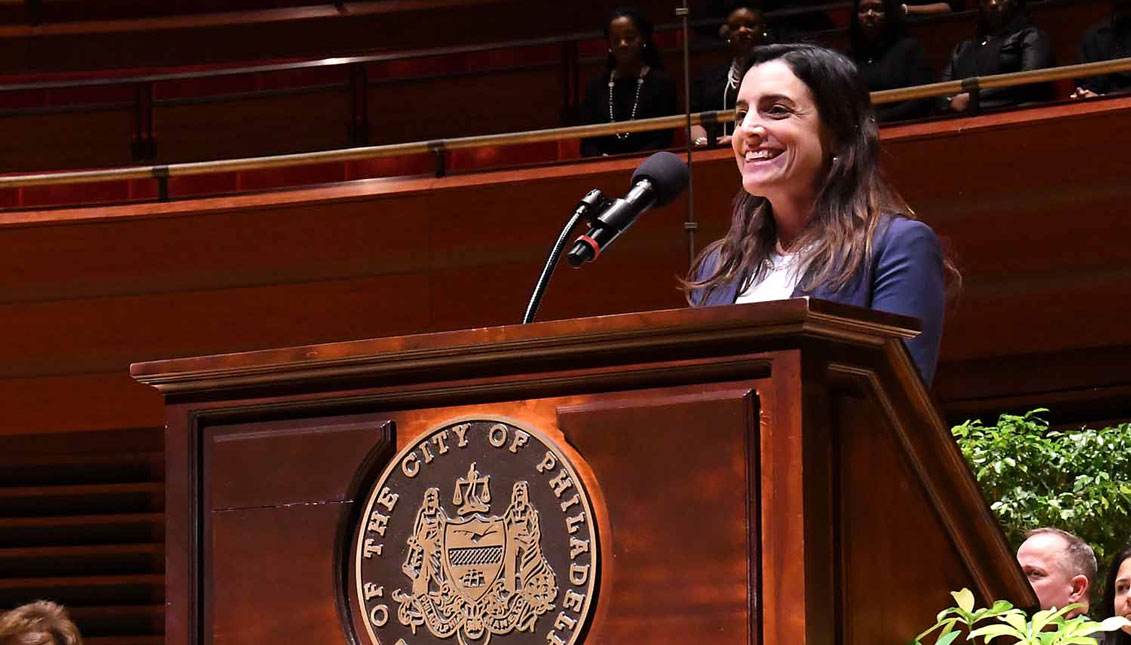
x,y
873,41
791,215
629,70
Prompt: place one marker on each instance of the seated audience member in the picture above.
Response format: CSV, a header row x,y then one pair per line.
x,y
1060,567
38,623
1007,42
887,56
1107,40
634,86
1117,598
717,87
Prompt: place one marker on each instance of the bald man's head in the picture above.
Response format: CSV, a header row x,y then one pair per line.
x,y
1060,567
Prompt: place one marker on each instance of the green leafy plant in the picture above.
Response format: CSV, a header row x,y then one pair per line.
x,y
1078,481
1012,625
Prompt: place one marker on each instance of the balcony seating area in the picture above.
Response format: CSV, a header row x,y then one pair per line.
x,y
123,117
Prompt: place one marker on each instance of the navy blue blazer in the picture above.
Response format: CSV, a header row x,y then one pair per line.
x,y
905,277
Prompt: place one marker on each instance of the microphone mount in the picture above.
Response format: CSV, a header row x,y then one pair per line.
x,y
594,202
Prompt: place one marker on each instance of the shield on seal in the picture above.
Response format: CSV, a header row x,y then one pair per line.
x,y
473,554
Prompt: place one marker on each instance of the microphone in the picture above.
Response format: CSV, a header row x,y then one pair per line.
x,y
657,182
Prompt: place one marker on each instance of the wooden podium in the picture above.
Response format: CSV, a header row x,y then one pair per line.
x,y
770,474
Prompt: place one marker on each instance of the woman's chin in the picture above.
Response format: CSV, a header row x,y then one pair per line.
x,y
758,187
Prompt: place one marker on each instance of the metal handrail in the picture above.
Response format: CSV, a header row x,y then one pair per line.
x,y
974,83
163,172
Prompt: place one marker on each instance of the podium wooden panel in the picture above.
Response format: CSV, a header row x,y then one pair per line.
x,y
766,474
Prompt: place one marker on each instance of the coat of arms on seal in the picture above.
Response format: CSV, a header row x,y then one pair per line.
x,y
435,564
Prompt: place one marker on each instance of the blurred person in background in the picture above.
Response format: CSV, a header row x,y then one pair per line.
x,y
1060,567
1117,598
1107,40
717,87
888,57
633,86
38,623
1007,41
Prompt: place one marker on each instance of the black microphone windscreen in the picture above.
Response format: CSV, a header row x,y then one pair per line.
x,y
667,173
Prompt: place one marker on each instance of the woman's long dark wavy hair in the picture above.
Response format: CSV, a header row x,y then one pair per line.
x,y
1108,608
895,27
649,54
837,240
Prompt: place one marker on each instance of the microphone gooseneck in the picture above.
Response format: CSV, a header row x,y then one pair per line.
x,y
592,201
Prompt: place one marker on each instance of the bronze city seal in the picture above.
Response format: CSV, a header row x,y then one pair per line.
x,y
478,529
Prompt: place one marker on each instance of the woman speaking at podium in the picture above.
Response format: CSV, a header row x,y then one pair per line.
x,y
815,216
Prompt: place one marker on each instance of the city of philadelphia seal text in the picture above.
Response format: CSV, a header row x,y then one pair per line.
x,y
479,531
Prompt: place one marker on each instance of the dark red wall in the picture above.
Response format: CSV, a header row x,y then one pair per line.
x,y
1036,217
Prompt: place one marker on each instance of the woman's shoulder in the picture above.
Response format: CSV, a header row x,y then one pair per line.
x,y
659,76
899,232
709,264
963,47
1028,31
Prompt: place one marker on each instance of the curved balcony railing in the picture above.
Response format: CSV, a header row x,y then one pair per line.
x,y
439,147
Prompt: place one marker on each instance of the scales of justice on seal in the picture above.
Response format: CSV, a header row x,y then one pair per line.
x,y
770,474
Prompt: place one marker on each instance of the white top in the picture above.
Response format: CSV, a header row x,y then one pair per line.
x,y
779,282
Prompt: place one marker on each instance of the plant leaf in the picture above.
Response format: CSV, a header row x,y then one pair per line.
x,y
1043,618
990,632
965,599
1016,621
947,639
1113,623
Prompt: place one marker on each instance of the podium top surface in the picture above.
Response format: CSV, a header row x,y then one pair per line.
x,y
752,325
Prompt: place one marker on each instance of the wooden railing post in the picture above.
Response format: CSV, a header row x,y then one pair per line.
x,y
144,143
34,11
359,105
439,151
571,71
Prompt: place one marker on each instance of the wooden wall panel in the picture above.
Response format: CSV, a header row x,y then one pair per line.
x,y
224,248
77,402
1035,241
104,334
489,102
876,485
271,486
252,127
246,544
314,31
702,521
92,289
53,141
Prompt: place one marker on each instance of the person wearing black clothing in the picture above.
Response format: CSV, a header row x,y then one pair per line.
x,y
634,86
1007,42
887,57
717,86
1106,40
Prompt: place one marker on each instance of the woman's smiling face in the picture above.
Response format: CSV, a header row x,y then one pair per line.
x,y
780,144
